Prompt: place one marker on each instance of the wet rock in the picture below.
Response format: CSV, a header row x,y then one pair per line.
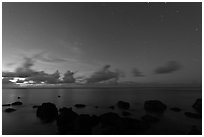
x,y
9,110
198,105
58,96
36,106
17,103
175,109
125,113
154,106
47,112
66,121
112,107
80,105
195,131
123,105
193,115
6,105
83,125
150,119
19,97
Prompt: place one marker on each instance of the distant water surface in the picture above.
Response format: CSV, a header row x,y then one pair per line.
x,y
24,120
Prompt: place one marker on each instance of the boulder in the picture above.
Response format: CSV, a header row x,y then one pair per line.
x,y
6,105
47,112
66,121
198,105
193,115
123,105
8,110
80,105
83,125
150,119
175,109
17,103
154,106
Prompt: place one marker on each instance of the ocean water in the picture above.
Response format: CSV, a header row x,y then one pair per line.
x,y
24,120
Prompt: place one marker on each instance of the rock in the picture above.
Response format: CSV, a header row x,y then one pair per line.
x,y
195,131
80,105
19,97
96,106
36,106
125,113
112,107
110,119
8,110
193,115
175,109
154,106
6,105
47,112
17,103
66,121
150,119
94,120
123,105
198,105
83,125
58,96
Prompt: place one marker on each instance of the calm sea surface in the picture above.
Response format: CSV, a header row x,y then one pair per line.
x,y
24,120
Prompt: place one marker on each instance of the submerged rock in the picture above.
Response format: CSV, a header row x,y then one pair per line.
x,y
6,105
80,105
47,112
193,115
8,110
17,103
123,105
198,105
175,109
150,119
154,106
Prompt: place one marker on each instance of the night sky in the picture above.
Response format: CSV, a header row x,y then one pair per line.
x,y
147,42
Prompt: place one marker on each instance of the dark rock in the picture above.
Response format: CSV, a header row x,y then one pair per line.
x,y
6,105
123,105
193,115
175,109
47,112
125,113
154,106
58,96
19,97
198,105
150,119
110,119
80,105
94,120
195,131
96,106
17,103
66,121
112,107
8,110
36,106
83,125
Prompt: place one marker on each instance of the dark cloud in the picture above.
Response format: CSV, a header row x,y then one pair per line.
x,y
170,67
104,75
69,77
137,73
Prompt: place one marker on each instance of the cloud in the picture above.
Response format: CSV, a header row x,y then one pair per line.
x,y
170,67
137,73
69,77
104,75
45,58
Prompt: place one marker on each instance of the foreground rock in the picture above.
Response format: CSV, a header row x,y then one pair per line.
x,y
175,109
80,105
6,105
123,105
125,113
8,110
17,103
150,119
193,115
198,105
195,131
154,106
47,112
